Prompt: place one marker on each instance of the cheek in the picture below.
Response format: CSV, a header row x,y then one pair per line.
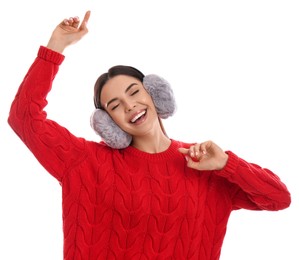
x,y
148,99
117,118
151,103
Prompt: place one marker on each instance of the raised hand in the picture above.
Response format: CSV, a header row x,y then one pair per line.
x,y
68,32
205,156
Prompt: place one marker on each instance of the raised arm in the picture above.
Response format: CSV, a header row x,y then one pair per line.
x,y
53,145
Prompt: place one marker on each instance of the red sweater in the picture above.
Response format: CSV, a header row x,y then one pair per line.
x,y
128,204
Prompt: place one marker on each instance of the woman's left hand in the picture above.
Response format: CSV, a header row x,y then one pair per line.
x,y
206,156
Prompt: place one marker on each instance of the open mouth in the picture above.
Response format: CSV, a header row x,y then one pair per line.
x,y
138,117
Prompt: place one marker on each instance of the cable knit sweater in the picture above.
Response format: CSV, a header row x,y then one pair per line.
x,y
128,204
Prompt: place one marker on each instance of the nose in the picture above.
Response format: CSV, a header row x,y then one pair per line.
x,y
129,106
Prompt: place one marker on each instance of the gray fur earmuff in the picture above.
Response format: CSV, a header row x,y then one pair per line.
x,y
110,132
160,91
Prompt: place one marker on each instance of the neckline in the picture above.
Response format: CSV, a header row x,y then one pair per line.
x,y
169,153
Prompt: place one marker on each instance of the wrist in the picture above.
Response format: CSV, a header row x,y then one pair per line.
x,y
223,160
55,45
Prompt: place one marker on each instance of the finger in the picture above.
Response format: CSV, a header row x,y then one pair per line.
x,y
69,22
191,151
76,21
204,147
183,150
197,151
85,21
65,22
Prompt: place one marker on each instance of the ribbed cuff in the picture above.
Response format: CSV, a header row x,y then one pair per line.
x,y
230,167
50,55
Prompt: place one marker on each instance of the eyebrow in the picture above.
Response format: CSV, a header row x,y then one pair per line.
x,y
114,99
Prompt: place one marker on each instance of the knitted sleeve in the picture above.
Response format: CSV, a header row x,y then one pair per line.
x,y
53,145
258,188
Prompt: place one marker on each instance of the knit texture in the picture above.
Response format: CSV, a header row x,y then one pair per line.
x,y
128,204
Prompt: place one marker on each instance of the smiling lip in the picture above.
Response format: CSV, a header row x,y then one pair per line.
x,y
137,115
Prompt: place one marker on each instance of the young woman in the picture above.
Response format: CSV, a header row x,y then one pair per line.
x,y
137,194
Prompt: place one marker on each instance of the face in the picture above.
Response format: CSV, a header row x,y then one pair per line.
x,y
129,105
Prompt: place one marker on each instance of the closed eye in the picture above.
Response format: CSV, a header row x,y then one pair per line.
x,y
135,92
114,107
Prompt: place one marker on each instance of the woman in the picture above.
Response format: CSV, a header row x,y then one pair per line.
x,y
137,194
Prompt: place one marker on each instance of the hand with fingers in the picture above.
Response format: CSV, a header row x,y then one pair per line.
x,y
68,32
205,156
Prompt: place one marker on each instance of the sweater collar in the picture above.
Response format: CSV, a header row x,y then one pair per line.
x,y
170,153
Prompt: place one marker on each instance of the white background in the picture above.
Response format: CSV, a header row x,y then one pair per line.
x,y
233,66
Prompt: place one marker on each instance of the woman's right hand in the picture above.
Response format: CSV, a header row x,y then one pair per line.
x,y
68,32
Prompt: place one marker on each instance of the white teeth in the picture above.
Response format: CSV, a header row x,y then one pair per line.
x,y
137,116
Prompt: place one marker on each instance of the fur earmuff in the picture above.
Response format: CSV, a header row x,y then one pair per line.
x,y
160,91
110,132
162,95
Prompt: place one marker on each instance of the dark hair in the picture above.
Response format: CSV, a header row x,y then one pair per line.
x,y
112,72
